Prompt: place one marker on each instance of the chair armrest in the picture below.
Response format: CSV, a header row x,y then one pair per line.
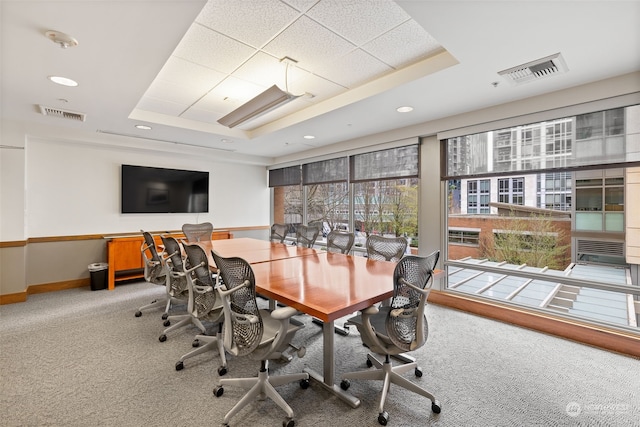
x,y
283,313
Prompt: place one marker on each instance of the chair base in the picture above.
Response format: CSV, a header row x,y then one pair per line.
x,y
387,373
260,387
207,343
183,320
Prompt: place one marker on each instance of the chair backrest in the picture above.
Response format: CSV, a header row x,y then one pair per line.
x,y
173,253
197,232
340,241
306,235
154,266
204,298
278,232
177,286
406,322
150,245
243,326
386,248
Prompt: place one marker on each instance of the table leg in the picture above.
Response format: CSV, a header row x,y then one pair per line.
x,y
327,379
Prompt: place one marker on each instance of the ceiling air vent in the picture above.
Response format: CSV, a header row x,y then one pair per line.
x,y
535,70
63,114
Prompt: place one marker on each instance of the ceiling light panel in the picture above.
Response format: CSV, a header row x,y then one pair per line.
x,y
358,21
260,19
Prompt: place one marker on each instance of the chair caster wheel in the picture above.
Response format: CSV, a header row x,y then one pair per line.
x,y
195,343
165,316
304,384
369,363
345,384
167,323
418,372
435,407
383,418
301,352
179,366
222,370
162,338
218,391
288,423
138,313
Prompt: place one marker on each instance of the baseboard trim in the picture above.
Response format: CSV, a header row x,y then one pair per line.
x,y
585,333
43,288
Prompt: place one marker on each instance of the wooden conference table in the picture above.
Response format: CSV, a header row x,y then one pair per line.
x,y
324,285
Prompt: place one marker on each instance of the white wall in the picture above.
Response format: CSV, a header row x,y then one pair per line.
x,y
73,188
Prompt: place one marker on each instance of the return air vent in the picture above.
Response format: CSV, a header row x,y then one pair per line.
x,y
63,114
535,70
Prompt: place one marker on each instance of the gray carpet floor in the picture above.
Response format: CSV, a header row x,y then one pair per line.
x,y
81,358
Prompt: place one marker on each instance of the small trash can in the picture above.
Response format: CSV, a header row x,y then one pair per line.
x,y
99,274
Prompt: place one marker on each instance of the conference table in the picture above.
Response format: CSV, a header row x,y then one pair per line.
x,y
324,285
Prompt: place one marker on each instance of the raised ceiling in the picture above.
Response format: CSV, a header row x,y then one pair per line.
x,y
178,66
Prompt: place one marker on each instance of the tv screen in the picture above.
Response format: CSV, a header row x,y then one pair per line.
x,y
158,190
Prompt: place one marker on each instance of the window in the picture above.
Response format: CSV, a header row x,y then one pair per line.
x,y
511,190
478,196
464,237
370,193
565,213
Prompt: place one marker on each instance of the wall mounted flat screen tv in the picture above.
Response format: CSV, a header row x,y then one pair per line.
x,y
158,190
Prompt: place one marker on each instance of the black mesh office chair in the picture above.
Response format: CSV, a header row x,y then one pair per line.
x,y
278,233
386,248
155,271
179,289
197,232
204,305
306,235
340,241
398,328
256,333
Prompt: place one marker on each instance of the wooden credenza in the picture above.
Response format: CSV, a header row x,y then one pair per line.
x,y
125,259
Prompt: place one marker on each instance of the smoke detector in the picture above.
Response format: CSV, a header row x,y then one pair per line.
x,y
535,70
61,39
63,114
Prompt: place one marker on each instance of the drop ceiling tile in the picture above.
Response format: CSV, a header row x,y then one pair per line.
x,y
204,116
229,95
178,93
265,70
251,22
403,45
309,43
319,87
354,69
161,106
300,5
358,20
181,72
213,50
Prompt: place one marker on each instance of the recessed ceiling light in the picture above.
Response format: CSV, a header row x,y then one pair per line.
x,y
404,109
63,81
309,137
143,127
226,141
